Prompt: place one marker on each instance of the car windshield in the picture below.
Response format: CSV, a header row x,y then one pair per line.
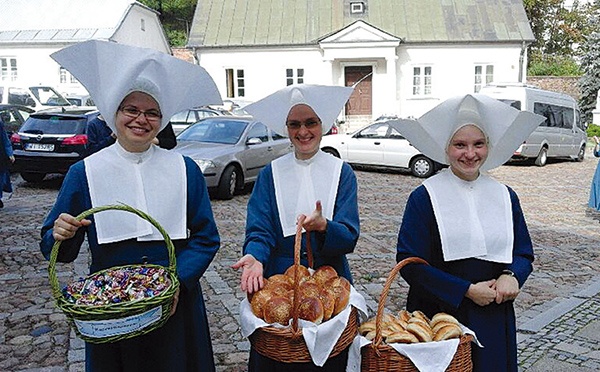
x,y
49,97
215,131
54,125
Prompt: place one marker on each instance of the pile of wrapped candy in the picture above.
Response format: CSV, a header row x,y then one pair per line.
x,y
118,285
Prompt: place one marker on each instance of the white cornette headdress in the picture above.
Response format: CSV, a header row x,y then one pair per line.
x,y
110,71
326,101
505,127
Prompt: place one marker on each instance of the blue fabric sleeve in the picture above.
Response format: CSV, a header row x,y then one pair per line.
x,y
523,247
261,218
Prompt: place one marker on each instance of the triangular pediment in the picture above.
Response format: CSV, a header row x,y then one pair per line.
x,y
359,31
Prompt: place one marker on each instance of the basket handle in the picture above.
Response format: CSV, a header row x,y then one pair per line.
x,y
297,249
122,207
384,293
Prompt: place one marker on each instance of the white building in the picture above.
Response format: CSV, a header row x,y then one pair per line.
x,y
407,55
31,30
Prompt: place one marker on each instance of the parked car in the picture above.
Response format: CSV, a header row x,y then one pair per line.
x,y
231,151
379,145
185,118
13,116
80,99
50,142
37,97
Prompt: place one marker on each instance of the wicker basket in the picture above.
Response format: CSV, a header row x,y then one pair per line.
x,y
118,321
379,357
287,345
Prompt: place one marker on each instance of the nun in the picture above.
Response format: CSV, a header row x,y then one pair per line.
x,y
136,91
304,183
466,225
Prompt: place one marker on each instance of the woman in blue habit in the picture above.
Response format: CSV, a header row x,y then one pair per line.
x,y
305,182
467,226
136,91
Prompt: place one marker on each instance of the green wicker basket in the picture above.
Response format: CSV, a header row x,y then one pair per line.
x,y
118,321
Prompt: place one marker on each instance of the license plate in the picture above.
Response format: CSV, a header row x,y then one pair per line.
x,y
39,147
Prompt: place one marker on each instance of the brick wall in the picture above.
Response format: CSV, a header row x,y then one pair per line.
x,y
563,84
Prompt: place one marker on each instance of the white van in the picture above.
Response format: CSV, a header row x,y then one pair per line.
x,y
562,135
37,97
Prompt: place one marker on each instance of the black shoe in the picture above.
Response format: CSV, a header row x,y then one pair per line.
x,y
1,204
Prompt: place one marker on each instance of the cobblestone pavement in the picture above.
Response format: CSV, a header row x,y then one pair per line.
x,y
557,309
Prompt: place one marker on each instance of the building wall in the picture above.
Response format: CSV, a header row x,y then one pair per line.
x,y
142,28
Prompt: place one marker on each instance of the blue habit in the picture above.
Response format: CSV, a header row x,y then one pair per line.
x,y
265,241
441,287
594,201
183,343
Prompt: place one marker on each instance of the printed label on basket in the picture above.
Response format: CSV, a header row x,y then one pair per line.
x,y
114,327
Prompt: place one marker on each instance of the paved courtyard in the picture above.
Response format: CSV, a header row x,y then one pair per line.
x,y
557,309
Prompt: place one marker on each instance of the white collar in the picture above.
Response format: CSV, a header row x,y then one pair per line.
x,y
300,183
474,218
153,181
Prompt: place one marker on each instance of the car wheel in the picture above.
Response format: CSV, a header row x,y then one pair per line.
x,y
422,167
228,184
331,151
33,177
581,154
542,157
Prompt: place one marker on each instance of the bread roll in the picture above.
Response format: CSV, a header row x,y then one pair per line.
x,y
370,335
393,326
309,289
420,321
442,317
324,273
422,332
278,310
328,300
339,281
421,315
342,298
302,272
279,278
447,332
402,337
441,324
311,309
366,327
259,300
404,315
250,295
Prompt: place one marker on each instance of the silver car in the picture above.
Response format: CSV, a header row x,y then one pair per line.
x,y
231,151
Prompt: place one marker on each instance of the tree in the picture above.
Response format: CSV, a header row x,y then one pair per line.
x,y
590,64
176,17
558,31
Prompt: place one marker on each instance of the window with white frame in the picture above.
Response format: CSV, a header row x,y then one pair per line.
x,y
422,81
8,69
484,74
294,76
66,77
235,83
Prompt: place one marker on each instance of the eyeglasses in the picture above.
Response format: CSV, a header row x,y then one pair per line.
x,y
150,115
307,124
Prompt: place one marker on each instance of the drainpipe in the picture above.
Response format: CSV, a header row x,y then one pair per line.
x,y
522,62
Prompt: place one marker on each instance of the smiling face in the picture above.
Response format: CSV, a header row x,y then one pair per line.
x,y
135,134
467,151
305,131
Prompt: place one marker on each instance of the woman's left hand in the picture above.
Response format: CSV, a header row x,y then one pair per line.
x,y
11,158
316,221
507,288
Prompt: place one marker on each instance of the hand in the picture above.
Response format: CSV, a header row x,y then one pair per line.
x,y
66,226
507,288
596,139
11,158
316,221
482,293
252,273
175,302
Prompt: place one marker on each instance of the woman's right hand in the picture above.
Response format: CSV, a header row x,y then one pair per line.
x,y
66,226
596,139
482,293
252,273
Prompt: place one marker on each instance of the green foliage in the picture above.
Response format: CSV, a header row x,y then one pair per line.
x,y
593,130
590,81
176,17
554,65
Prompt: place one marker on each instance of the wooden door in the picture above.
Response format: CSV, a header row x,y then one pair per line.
x,y
360,102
